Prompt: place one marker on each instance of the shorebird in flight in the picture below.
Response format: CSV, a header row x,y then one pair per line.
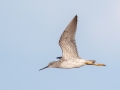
x,y
70,57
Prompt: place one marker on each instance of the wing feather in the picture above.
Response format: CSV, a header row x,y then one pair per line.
x,y
67,41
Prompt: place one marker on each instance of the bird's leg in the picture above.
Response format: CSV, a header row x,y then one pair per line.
x,y
92,62
99,64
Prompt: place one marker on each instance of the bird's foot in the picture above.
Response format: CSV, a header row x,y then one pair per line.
x,y
99,64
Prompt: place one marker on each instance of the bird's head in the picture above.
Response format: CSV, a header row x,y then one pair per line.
x,y
51,64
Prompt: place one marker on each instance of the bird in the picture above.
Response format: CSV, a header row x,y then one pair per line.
x,y
70,58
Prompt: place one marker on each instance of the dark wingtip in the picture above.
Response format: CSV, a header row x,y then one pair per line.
x,y
58,57
76,16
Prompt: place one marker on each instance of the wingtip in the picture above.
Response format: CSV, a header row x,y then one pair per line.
x,y
59,57
76,16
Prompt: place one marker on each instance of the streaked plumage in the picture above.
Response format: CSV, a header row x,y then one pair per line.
x,y
70,57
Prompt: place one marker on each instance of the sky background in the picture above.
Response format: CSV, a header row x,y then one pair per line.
x,y
29,35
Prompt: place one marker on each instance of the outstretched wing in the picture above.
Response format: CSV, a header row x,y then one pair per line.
x,y
67,41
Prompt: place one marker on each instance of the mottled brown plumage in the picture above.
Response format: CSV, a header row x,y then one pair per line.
x,y
67,41
70,57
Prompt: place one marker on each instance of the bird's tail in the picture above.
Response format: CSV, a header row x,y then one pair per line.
x,y
90,62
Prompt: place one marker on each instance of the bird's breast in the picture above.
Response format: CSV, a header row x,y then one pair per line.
x,y
72,64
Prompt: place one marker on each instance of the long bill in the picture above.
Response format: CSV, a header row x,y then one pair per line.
x,y
44,68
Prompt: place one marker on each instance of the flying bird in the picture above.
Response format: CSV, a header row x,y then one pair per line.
x,y
70,57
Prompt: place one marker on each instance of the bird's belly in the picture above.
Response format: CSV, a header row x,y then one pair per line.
x,y
69,64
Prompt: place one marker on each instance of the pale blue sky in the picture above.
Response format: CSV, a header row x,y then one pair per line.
x,y
29,34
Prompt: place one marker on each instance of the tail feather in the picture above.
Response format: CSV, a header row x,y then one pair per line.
x,y
90,62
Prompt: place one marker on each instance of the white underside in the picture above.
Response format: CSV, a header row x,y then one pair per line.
x,y
73,63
